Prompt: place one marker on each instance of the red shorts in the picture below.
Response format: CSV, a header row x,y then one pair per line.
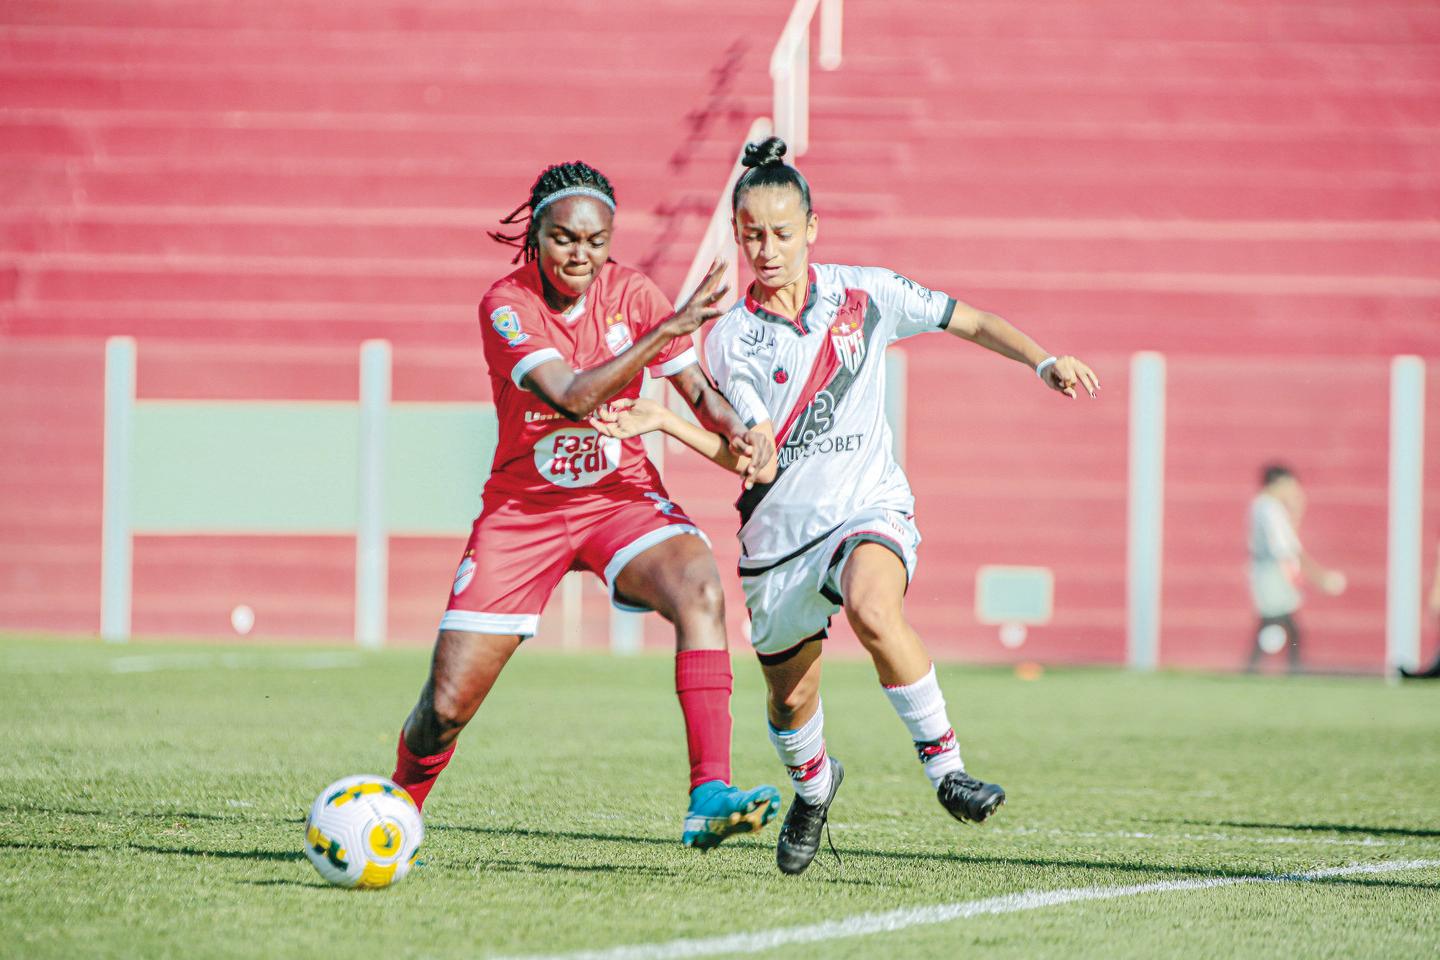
x,y
518,552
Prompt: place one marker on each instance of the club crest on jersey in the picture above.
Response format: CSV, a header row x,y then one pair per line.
x,y
780,375
507,323
617,335
847,337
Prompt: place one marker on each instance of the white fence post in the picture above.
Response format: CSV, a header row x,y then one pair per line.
x,y
372,545
1145,547
116,545
1407,472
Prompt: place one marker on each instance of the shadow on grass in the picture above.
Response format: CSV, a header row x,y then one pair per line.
x,y
532,866
150,814
946,859
1318,827
550,834
61,847
316,884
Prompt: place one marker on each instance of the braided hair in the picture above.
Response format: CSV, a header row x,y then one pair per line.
x,y
767,168
559,177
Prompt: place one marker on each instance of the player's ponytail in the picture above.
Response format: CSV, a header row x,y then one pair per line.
x,y
767,168
555,183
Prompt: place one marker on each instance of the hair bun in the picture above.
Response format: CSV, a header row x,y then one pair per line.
x,y
769,152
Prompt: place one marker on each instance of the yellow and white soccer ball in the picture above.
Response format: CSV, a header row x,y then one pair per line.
x,y
363,831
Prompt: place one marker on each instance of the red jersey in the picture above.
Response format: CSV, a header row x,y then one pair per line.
x,y
540,454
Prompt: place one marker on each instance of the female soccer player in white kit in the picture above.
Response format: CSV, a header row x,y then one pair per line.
x,y
829,522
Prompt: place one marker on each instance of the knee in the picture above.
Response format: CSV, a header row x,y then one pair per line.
x,y
701,596
875,619
451,707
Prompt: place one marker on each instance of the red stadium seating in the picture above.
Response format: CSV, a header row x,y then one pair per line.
x,y
1250,186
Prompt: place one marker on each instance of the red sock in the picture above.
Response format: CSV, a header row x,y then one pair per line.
x,y
417,774
703,682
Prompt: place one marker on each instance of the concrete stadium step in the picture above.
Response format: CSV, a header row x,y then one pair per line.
x,y
373,50
1207,194
177,136
1400,22
304,17
1329,249
1323,65
336,235
200,91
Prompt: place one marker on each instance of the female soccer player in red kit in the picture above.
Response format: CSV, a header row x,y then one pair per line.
x,y
564,334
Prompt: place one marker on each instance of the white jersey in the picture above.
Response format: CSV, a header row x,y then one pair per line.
x,y
820,379
1274,558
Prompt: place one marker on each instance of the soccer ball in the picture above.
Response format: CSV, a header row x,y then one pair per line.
x,y
363,831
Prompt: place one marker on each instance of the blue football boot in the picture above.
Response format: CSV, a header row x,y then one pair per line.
x,y
718,810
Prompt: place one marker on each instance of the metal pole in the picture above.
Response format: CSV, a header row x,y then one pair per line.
x,y
1145,552
571,601
1407,472
116,551
372,546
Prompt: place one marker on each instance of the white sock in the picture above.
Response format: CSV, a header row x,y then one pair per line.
x,y
803,753
922,706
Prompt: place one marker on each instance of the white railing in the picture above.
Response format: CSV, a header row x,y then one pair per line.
x,y
790,71
790,68
718,240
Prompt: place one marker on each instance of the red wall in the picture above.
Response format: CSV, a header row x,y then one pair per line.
x,y
1249,187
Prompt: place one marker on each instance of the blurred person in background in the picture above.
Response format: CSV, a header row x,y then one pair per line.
x,y
564,334
1278,565
1431,672
829,523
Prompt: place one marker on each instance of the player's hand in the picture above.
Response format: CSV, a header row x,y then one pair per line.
x,y
1067,373
759,447
701,307
623,418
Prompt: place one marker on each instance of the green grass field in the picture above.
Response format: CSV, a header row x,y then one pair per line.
x,y
153,798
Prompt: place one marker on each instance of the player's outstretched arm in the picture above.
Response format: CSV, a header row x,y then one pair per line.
x,y
1331,582
717,415
1062,374
576,395
631,418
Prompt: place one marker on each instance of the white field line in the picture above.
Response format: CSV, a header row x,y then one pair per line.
x,y
1200,837
152,663
865,924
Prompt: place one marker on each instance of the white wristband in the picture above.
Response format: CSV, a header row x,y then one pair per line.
x,y
1044,365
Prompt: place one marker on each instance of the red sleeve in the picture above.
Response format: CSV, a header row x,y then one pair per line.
x,y
651,307
516,338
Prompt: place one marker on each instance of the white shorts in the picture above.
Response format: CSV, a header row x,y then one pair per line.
x,y
793,600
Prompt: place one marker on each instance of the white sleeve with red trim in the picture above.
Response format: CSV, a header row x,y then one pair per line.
x,y
733,358
907,308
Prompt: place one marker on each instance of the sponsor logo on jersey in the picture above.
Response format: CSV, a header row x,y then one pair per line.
x,y
576,457
830,443
463,575
617,335
780,375
507,323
